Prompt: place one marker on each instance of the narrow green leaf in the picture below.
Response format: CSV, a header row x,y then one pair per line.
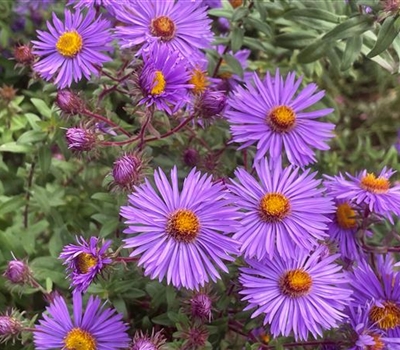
x,y
237,36
13,147
12,204
312,13
45,159
351,52
313,52
296,40
260,25
239,13
234,64
353,26
31,136
42,107
220,13
386,35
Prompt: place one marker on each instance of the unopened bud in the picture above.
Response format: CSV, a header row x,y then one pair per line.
x,y
201,306
18,272
196,337
144,342
210,104
10,327
80,139
23,54
7,93
191,157
127,170
69,102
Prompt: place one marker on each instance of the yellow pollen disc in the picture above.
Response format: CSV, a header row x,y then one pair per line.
x,y
295,283
379,344
274,207
85,262
163,27
159,83
69,44
183,225
199,80
265,338
345,216
281,118
78,339
373,184
386,317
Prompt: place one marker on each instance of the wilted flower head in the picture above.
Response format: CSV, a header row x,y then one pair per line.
x,y
85,261
93,328
10,326
80,139
128,170
69,102
23,54
72,49
18,272
195,337
145,342
201,307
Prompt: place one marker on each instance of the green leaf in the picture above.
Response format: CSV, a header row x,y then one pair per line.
x,y
313,52
42,107
351,52
353,26
221,13
237,36
295,40
386,35
312,13
260,25
13,204
239,13
13,147
31,136
45,159
234,64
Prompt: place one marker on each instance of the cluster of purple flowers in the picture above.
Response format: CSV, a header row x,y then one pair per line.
x,y
279,217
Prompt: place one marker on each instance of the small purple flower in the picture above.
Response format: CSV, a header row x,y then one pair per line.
x,y
145,342
18,272
181,235
366,189
85,261
73,48
80,139
285,211
163,79
299,295
182,26
94,328
268,113
201,307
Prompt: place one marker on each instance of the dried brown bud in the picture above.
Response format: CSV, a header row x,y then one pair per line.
x,y
23,54
69,102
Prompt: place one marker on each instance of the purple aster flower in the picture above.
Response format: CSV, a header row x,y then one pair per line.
x,y
164,79
181,235
299,295
380,290
343,229
287,209
201,307
94,328
73,48
183,26
211,3
366,334
375,192
85,261
267,113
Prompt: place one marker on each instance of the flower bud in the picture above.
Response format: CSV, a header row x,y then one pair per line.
x,y
80,139
10,327
17,272
69,102
201,306
196,337
23,54
127,170
236,3
7,93
210,104
144,342
191,157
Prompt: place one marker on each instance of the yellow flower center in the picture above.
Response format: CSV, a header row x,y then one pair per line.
x,y
85,262
373,184
345,216
163,27
78,339
183,225
386,317
281,118
265,338
199,80
236,3
274,207
379,344
69,44
159,83
295,283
